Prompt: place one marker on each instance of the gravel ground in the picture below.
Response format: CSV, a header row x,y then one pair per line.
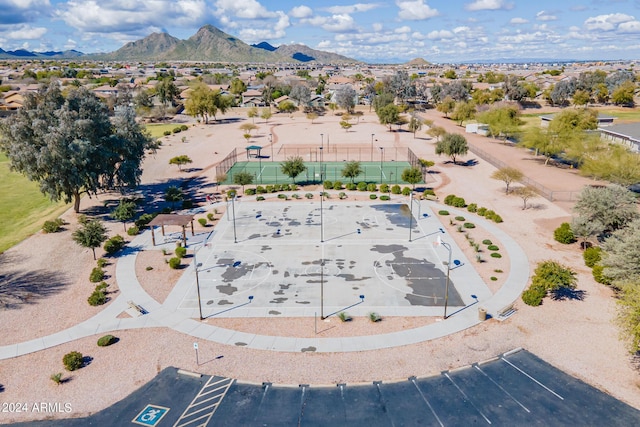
x,y
577,336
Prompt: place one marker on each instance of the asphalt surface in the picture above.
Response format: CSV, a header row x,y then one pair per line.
x,y
515,389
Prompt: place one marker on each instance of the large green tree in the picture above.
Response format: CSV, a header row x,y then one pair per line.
x,y
243,178
388,115
452,145
503,121
351,170
292,167
124,212
204,102
90,235
412,176
70,146
621,252
508,175
611,208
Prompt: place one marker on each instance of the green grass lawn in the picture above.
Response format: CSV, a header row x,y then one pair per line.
x,y
157,130
23,207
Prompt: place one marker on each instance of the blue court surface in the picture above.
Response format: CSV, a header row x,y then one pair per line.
x,y
514,389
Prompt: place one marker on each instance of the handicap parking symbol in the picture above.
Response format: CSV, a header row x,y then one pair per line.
x,y
150,415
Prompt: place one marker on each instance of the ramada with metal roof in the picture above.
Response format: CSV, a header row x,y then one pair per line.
x,y
627,134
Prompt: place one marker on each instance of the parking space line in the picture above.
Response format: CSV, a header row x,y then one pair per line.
x,y
413,380
216,385
533,379
502,388
467,398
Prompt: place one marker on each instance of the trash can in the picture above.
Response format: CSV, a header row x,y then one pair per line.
x,y
482,314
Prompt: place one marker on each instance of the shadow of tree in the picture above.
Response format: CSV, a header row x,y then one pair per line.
x,y
18,288
564,293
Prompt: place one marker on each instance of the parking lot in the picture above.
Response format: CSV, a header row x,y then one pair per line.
x,y
514,389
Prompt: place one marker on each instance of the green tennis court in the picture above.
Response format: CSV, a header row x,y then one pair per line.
x,y
267,172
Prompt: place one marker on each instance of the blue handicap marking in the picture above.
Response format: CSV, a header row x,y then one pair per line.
x,y
150,415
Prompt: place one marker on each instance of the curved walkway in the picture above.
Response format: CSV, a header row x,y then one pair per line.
x,y
158,315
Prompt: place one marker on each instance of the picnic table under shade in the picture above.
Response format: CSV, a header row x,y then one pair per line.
x,y
172,219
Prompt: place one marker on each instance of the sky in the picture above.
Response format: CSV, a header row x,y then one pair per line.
x,y
440,31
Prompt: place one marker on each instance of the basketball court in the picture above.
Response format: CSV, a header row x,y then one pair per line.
x,y
296,259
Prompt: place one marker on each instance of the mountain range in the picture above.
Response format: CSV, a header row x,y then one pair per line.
x,y
208,44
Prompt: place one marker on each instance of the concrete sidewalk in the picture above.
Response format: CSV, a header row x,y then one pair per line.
x,y
167,314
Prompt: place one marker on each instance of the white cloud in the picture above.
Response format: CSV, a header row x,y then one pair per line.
x,y
24,32
112,16
629,27
545,16
377,27
518,21
301,12
488,5
246,9
439,35
415,10
607,22
359,7
339,23
403,29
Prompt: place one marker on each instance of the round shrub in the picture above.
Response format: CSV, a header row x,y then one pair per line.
x,y
106,340
489,214
351,186
487,242
429,192
493,278
73,360
385,198
564,234
97,274
592,256
337,185
114,244
102,286
259,198
283,196
458,202
459,218
362,186
443,212
133,231
180,252
482,211
384,188
184,127
534,295
598,275
144,220
177,129
497,219
174,263
373,196
495,255
97,297
328,185
250,191
492,247
469,225
102,262
449,199
396,189
309,195
53,226
472,207
295,196
260,189
372,187
406,191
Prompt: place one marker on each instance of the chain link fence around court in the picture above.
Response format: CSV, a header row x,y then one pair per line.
x,y
381,164
547,193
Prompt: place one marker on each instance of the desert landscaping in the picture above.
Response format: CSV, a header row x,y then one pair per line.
x,y
578,336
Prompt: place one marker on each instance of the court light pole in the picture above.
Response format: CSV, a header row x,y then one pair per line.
x,y
233,208
322,140
381,160
410,213
321,218
260,161
322,289
372,135
271,143
195,261
446,288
